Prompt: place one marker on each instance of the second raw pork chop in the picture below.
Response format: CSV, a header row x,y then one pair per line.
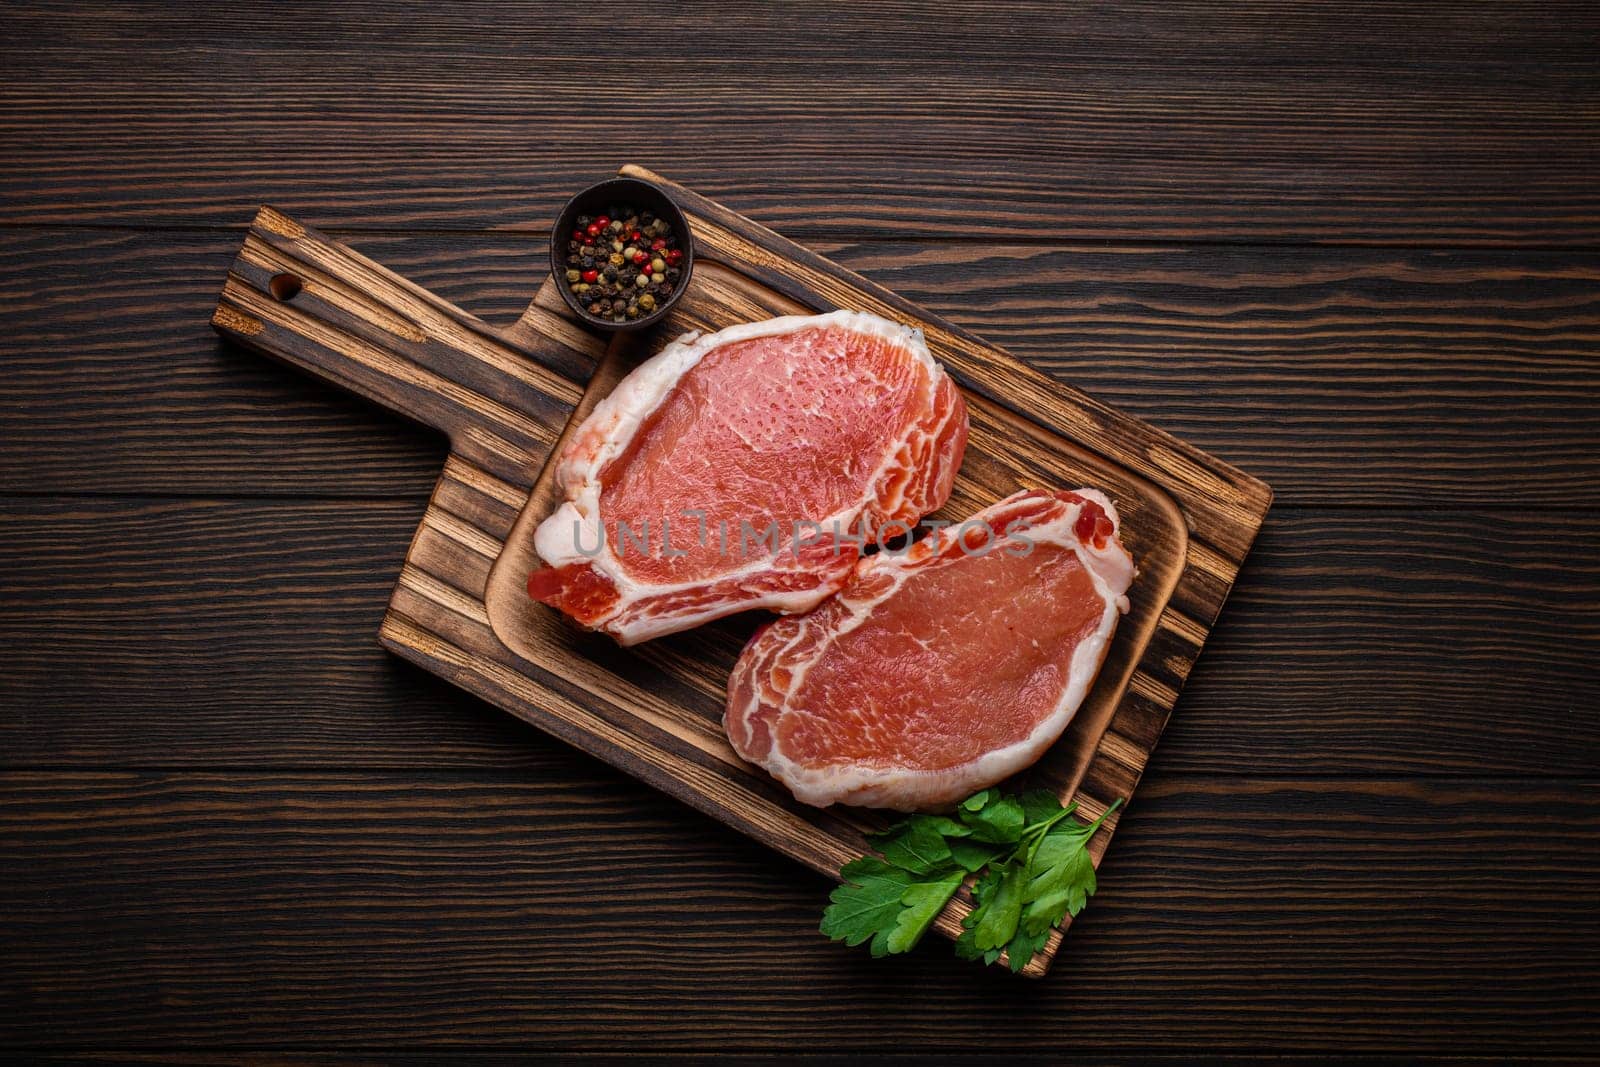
x,y
723,473
938,672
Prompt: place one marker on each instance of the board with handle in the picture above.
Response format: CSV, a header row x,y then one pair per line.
x,y
505,397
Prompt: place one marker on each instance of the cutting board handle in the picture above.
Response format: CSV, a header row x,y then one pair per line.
x,y
501,396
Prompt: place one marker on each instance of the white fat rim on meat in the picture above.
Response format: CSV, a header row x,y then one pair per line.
x,y
617,418
1111,570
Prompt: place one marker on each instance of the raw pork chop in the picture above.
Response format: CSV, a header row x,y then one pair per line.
x,y
720,445
943,670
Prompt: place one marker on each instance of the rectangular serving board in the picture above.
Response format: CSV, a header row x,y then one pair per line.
x,y
506,397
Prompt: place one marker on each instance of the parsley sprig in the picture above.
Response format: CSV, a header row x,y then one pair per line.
x,y
1032,865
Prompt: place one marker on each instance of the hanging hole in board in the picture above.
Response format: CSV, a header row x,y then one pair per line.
x,y
285,286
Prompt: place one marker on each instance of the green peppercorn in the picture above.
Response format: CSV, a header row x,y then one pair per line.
x,y
641,281
647,302
573,276
617,259
658,265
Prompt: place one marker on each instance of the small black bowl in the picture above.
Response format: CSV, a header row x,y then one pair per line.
x,y
593,201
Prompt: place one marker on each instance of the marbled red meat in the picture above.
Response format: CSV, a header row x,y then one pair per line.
x,y
731,472
941,671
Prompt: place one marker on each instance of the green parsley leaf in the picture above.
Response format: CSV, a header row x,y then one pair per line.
x,y
941,823
1033,869
1061,875
974,856
1000,820
867,906
994,923
983,893
917,845
967,949
1022,947
1039,805
978,801
922,904
1060,889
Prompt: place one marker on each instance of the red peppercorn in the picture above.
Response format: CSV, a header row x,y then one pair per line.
x,y
641,257
675,256
577,234
593,229
602,221
658,244
591,275
635,235
645,269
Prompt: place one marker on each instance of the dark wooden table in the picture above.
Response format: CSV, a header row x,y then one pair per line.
x,y
1352,250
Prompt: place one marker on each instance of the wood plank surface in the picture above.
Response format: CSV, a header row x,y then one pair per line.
x,y
241,633
345,858
294,910
1395,123
1341,376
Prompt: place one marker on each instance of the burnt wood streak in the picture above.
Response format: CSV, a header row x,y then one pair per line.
x,y
302,910
1394,123
503,399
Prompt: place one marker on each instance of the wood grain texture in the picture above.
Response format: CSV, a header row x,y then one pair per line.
x,y
298,911
1103,189
239,633
1342,376
347,321
1413,123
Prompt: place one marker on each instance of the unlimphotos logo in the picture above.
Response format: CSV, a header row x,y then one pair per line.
x,y
654,537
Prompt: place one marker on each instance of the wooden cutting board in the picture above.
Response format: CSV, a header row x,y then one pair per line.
x,y
505,397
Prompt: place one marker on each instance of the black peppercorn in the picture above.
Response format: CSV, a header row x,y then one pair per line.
x,y
624,286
